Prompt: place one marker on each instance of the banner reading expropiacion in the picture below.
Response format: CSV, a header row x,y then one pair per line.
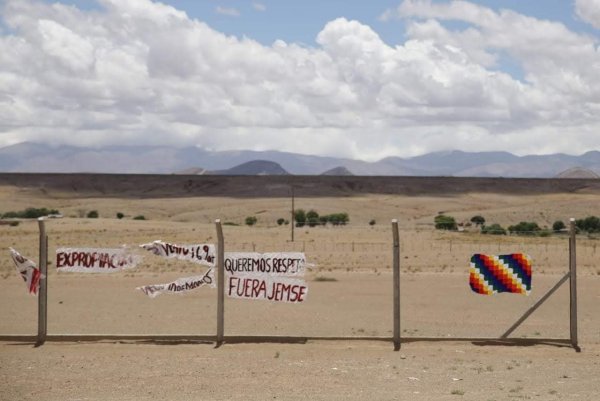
x,y
95,260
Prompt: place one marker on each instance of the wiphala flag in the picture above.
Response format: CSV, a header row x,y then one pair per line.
x,y
490,274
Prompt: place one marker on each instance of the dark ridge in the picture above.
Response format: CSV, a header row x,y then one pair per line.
x,y
154,185
254,167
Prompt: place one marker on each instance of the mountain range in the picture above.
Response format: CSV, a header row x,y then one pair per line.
x,y
32,157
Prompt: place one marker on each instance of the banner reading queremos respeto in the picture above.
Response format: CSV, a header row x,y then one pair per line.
x,y
201,253
28,271
271,264
95,260
180,285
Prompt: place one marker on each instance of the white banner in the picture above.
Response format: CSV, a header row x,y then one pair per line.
x,y
180,285
95,260
271,288
202,253
265,264
28,271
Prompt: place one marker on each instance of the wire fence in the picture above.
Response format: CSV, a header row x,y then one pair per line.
x,y
350,284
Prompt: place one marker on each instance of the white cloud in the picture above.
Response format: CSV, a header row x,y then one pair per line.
x,y
229,11
589,11
259,6
143,72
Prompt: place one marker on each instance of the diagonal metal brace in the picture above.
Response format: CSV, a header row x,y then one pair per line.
x,y
537,305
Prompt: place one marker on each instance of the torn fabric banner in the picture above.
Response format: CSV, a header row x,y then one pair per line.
x,y
28,271
202,253
95,260
502,273
180,285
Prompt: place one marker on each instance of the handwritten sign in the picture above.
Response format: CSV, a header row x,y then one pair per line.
x,y
95,260
203,253
28,271
278,289
270,264
180,286
267,276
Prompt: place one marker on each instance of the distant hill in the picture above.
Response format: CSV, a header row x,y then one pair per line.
x,y
338,171
577,172
31,157
254,167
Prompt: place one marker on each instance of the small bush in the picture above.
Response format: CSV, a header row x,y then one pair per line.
x,y
525,228
590,224
478,220
140,217
443,222
14,223
558,226
312,218
120,215
30,213
92,214
300,217
325,279
494,229
251,220
372,222
280,221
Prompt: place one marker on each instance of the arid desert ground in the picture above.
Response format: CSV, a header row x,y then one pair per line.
x,y
350,294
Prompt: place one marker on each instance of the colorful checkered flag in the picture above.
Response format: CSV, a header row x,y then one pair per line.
x,y
490,274
28,271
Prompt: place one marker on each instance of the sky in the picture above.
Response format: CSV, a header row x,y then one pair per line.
x,y
357,79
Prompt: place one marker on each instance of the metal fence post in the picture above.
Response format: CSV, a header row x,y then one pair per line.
x,y
220,283
396,284
573,282
43,290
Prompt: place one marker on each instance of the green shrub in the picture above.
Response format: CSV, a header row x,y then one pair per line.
x,y
525,228
312,218
372,222
494,229
558,226
92,214
478,220
300,217
251,220
338,218
140,217
14,223
120,215
590,224
280,221
443,222
30,213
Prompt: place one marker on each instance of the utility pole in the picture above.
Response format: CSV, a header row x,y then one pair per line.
x,y
293,214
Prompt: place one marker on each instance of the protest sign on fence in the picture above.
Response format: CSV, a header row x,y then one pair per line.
x,y
266,276
180,285
28,271
202,253
95,260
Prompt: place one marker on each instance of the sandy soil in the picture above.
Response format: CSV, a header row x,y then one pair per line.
x,y
350,294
